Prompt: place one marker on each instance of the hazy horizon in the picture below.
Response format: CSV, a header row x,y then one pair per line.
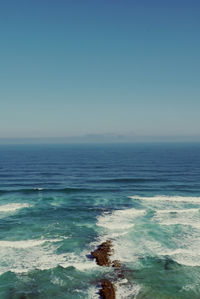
x,y
109,138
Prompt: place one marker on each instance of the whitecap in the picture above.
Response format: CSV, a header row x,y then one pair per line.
x,y
13,207
119,219
189,199
25,243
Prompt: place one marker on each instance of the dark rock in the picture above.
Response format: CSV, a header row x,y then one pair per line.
x,y
116,264
102,254
107,290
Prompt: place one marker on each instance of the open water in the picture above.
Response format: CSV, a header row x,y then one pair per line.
x,y
58,202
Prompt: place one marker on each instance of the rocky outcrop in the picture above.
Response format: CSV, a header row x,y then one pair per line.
x,y
107,290
102,254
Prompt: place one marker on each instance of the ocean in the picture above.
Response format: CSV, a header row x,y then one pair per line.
x,y
59,202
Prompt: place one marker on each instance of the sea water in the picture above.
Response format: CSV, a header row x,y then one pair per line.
x,y
59,202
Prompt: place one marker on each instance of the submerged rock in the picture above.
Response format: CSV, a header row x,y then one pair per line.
x,y
116,264
168,263
102,254
107,290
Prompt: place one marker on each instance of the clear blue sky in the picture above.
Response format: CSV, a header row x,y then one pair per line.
x,y
76,67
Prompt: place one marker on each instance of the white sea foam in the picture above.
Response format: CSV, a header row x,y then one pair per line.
x,y
189,287
23,256
169,222
58,281
13,207
183,217
130,251
93,293
25,243
177,211
189,199
120,219
186,253
116,226
126,290
187,257
150,247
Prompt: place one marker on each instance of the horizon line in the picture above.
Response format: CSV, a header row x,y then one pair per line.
x,y
101,138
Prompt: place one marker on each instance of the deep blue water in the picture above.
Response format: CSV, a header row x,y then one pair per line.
x,y
58,202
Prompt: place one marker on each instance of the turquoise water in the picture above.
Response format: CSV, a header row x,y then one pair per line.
x,y
58,202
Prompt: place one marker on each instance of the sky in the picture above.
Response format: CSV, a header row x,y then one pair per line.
x,y
100,68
